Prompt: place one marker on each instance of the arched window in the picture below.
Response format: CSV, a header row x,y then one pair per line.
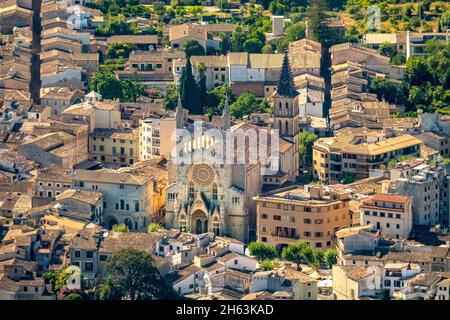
x,y
136,206
280,126
214,192
287,126
191,191
287,105
279,105
182,222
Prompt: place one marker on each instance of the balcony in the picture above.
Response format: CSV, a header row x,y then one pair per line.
x,y
285,235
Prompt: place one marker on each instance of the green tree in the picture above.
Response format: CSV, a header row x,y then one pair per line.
x,y
387,49
193,48
154,227
316,18
305,148
444,21
120,228
330,257
238,37
136,276
262,251
119,49
57,279
299,252
131,90
266,265
109,290
385,89
202,91
399,59
73,296
245,104
253,45
189,91
170,100
106,83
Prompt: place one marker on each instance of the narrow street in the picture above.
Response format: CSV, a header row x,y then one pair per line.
x,y
35,71
325,72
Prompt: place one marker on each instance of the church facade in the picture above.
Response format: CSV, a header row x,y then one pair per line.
x,y
218,197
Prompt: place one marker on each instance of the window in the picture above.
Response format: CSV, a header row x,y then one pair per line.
x,y
397,283
292,219
89,254
214,192
103,257
264,216
307,221
387,283
277,218
136,206
77,254
235,201
122,204
88,266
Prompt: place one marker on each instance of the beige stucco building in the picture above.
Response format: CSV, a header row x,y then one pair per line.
x,y
307,213
353,152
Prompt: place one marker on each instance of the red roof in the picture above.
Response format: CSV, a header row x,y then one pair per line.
x,y
388,197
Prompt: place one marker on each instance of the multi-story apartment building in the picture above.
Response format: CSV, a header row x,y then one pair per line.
x,y
426,185
152,68
353,152
115,146
389,213
155,137
309,213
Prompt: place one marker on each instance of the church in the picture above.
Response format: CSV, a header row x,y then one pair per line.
x,y
217,197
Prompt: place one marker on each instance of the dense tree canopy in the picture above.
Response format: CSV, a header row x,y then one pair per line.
x,y
262,251
136,277
193,48
106,83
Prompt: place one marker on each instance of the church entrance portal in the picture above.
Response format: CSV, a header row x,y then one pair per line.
x,y
199,222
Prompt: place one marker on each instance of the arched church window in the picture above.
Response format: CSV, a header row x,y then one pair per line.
x,y
191,191
279,105
214,192
182,222
287,105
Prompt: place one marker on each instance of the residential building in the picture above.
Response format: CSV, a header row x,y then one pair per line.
x,y
155,137
60,98
426,185
355,282
312,214
114,146
394,275
389,213
95,112
353,152
415,41
153,68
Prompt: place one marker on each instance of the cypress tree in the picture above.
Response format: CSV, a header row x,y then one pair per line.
x,y
189,90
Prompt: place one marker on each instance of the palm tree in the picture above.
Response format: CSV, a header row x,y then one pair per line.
x,y
109,290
